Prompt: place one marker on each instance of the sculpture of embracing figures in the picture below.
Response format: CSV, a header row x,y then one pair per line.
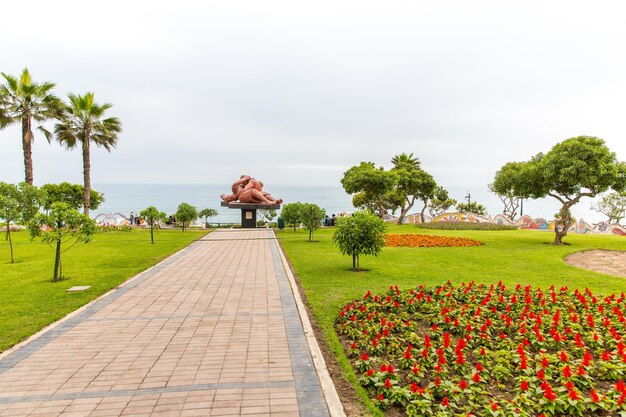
x,y
249,190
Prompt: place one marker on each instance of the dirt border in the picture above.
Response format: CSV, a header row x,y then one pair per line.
x,y
607,270
351,403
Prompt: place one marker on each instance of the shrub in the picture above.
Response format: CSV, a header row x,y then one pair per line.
x,y
465,226
363,233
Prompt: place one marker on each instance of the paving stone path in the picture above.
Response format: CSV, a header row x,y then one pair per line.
x,y
211,331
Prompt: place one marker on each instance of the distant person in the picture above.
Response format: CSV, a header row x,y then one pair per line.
x,y
132,218
332,220
327,221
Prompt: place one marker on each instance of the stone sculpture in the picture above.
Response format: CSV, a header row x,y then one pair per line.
x,y
249,190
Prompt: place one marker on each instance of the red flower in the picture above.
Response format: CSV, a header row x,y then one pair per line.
x,y
445,402
494,406
544,362
573,395
524,386
364,356
567,372
563,356
446,340
381,397
594,396
479,367
541,375
437,380
370,372
476,377
427,342
463,384
387,383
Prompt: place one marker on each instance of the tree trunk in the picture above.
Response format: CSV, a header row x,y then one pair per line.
x,y
86,174
403,212
358,263
294,227
57,262
422,218
27,145
10,241
562,224
353,263
152,233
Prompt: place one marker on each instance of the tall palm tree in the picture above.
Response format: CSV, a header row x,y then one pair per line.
x,y
83,123
408,161
22,100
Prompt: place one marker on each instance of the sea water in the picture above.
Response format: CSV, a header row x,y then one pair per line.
x,y
124,198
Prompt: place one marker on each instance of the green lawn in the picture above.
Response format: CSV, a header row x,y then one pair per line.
x,y
519,256
28,298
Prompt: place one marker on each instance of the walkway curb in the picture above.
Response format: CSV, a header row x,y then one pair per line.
x,y
331,396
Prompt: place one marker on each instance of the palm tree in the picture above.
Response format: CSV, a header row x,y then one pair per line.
x,y
22,100
405,160
83,123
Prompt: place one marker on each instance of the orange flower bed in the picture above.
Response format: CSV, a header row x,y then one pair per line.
x,y
428,241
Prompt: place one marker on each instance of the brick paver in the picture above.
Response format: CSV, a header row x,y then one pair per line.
x,y
211,331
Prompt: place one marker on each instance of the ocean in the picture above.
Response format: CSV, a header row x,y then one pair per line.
x,y
124,198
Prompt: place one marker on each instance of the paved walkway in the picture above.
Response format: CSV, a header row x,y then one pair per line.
x,y
212,331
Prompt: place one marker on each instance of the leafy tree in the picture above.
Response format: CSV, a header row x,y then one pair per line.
x,y
578,167
373,188
291,214
22,101
186,213
267,215
612,205
206,214
363,233
71,194
413,183
472,207
439,203
311,216
83,122
153,216
18,203
62,225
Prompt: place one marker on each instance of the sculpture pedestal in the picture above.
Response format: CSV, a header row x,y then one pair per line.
x,y
248,212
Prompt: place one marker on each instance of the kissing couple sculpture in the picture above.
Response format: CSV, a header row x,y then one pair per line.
x,y
249,190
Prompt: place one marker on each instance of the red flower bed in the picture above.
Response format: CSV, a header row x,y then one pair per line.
x,y
477,350
428,241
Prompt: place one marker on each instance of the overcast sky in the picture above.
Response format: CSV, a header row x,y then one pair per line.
x,y
297,92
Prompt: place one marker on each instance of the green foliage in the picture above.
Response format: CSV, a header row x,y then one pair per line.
x,y
82,122
70,194
186,213
440,202
472,207
373,188
266,216
21,101
464,226
153,216
578,167
311,216
612,205
291,214
413,183
18,203
280,223
363,233
62,225
207,213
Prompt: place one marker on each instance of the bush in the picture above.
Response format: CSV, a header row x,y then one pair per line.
x,y
363,233
465,226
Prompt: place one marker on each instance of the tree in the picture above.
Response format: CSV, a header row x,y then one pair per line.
x,y
153,216
503,188
83,122
438,203
186,213
612,205
373,188
413,183
72,194
472,207
62,225
578,167
311,216
18,203
363,233
206,214
22,101
267,216
291,214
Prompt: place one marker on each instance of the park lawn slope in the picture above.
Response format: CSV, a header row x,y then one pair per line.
x,y
517,256
29,300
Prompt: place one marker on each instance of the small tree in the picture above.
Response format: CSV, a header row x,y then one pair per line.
x,y
612,205
578,167
62,225
206,214
267,215
186,213
312,216
472,207
439,203
153,216
363,233
72,194
291,214
18,203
